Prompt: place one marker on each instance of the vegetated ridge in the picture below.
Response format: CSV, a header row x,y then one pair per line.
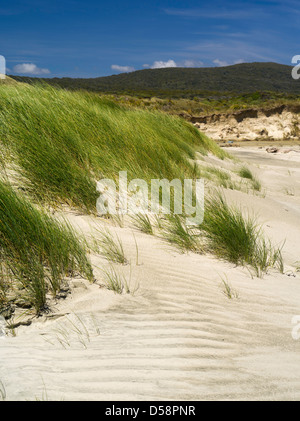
x,y
184,82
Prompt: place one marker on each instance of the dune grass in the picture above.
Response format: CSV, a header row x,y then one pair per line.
x,y
256,184
220,177
118,282
36,251
143,223
246,173
114,281
59,144
227,289
229,234
176,232
74,330
63,142
111,248
237,238
226,233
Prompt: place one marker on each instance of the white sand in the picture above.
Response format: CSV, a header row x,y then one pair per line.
x,y
178,337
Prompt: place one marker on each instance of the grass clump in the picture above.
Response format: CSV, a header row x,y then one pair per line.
x,y
227,234
266,256
74,331
228,291
245,172
230,235
143,223
221,177
236,238
256,184
117,281
36,251
112,248
114,281
176,231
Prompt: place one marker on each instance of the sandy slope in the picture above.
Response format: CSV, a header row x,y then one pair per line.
x,y
178,337
279,123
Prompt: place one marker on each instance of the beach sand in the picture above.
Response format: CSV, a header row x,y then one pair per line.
x,y
178,337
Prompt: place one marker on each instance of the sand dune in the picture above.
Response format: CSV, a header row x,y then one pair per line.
x,y
178,337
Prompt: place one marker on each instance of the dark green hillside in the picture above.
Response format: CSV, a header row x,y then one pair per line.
x,y
176,82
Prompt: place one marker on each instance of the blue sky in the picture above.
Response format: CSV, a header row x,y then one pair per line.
x,y
95,38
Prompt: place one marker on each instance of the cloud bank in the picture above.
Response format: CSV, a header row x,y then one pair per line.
x,y
172,63
222,63
122,69
30,69
163,64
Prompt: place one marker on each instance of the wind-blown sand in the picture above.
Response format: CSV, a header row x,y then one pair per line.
x,y
178,337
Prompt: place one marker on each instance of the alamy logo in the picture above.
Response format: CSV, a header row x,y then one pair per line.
x,y
162,197
2,67
296,69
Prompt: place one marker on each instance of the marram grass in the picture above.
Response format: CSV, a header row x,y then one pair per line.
x,y
58,144
63,142
36,251
226,233
237,238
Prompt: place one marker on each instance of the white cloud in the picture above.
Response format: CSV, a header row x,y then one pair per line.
x,y
172,63
220,63
122,69
163,64
30,69
192,63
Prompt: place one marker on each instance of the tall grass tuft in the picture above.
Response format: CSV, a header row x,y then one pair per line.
x,y
143,223
36,250
256,184
118,282
111,248
228,291
178,233
230,235
236,238
245,172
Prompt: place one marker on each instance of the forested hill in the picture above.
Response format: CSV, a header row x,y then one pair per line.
x,y
240,78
